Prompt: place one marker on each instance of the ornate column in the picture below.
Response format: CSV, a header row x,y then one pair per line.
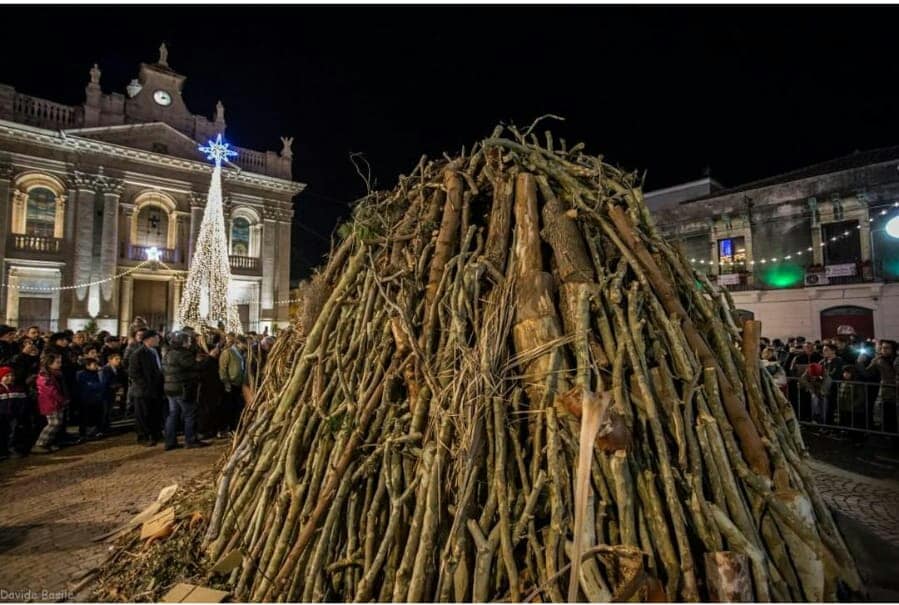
x,y
6,172
108,264
171,238
817,249
254,309
19,199
269,235
59,222
282,312
126,291
84,237
255,239
866,242
12,297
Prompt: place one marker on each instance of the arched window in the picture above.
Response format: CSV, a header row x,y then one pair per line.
x,y
244,232
152,226
240,236
40,212
38,205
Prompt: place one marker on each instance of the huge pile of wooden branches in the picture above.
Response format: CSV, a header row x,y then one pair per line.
x,y
510,387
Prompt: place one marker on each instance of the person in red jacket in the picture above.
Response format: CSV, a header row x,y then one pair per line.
x,y
51,401
12,405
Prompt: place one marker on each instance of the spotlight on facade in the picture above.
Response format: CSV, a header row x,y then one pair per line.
x,y
153,254
892,227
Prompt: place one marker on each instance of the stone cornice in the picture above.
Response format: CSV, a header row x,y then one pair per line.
x,y
70,143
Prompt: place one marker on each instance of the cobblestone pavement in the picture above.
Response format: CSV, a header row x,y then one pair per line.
x,y
52,506
872,502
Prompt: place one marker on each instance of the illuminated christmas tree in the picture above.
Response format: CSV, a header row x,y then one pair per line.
x,y
205,298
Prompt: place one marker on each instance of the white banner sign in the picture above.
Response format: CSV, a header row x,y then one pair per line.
x,y
729,279
843,270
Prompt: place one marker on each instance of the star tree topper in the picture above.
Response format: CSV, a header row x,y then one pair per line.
x,y
218,150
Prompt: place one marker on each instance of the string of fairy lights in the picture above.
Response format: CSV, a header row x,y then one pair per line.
x,y
151,261
787,257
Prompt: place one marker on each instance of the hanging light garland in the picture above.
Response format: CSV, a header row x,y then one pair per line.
x,y
790,256
149,261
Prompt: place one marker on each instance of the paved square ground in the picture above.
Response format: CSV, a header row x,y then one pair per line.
x,y
53,506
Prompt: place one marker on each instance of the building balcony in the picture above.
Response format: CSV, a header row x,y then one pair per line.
x,y
35,243
788,276
170,256
244,264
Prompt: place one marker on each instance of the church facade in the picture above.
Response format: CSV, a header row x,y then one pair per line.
x,y
89,193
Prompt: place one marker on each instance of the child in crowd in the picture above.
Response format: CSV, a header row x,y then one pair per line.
x,y
91,394
52,401
816,381
113,378
12,406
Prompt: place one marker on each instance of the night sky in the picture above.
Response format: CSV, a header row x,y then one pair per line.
x,y
747,92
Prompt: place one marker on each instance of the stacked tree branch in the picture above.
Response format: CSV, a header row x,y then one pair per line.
x,y
511,388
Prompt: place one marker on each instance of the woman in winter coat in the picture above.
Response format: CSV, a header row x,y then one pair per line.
x,y
52,401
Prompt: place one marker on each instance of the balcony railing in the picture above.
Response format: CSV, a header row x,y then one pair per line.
x,y
248,159
806,277
37,111
245,263
139,253
36,243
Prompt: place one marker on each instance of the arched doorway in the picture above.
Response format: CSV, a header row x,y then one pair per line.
x,y
840,320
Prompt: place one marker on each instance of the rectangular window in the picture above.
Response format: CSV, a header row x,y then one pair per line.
x,y
731,255
842,243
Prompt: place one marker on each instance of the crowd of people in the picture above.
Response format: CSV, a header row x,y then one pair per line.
x,y
183,381
841,381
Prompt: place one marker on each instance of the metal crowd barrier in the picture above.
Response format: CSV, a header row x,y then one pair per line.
x,y
831,417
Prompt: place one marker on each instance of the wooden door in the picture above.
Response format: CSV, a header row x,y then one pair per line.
x,y
35,311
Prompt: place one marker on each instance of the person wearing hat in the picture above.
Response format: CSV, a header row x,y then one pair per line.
x,y
817,383
181,373
145,372
12,406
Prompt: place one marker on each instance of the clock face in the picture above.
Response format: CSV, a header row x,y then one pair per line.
x,y
162,97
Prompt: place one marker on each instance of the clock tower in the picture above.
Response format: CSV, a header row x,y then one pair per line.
x,y
157,98
153,97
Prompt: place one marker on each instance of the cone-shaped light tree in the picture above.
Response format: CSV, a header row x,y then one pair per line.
x,y
205,298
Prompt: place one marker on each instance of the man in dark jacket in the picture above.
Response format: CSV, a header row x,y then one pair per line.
x,y
9,345
134,344
145,372
181,372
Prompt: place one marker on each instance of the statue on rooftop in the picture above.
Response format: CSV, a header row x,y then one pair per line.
x,y
163,55
286,151
95,74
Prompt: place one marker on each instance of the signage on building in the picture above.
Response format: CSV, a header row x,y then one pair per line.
x,y
729,279
841,270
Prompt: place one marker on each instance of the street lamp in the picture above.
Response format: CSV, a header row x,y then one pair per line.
x,y
892,227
